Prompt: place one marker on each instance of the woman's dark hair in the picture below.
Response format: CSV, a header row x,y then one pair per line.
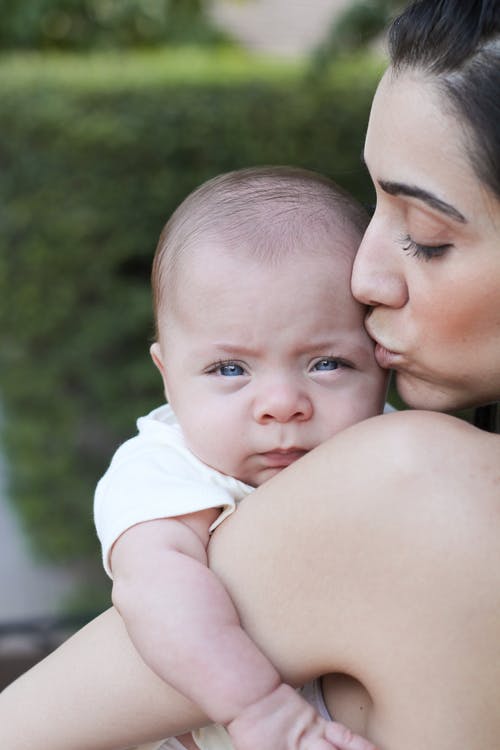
x,y
458,42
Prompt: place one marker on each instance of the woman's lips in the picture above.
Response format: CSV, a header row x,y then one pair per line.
x,y
385,358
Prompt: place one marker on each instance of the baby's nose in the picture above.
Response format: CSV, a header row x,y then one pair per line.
x,y
283,401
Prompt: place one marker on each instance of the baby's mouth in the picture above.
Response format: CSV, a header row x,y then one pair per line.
x,y
282,457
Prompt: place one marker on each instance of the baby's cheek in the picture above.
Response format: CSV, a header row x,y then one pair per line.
x,y
217,446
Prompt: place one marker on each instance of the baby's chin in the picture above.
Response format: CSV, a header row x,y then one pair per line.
x,y
263,475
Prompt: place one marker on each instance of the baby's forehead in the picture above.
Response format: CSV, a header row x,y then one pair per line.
x,y
333,250
219,273
300,308
298,238
337,241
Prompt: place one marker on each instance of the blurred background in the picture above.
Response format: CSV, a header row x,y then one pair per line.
x,y
111,111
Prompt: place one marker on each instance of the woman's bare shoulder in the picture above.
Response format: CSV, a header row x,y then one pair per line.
x,y
420,447
418,429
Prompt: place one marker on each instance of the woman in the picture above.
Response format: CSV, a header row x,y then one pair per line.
x,y
389,570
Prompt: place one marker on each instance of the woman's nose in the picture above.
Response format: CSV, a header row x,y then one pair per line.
x,y
377,275
282,401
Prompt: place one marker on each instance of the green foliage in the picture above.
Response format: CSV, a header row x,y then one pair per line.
x,y
89,24
95,155
355,28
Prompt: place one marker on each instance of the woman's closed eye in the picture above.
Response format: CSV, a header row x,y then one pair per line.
x,y
427,252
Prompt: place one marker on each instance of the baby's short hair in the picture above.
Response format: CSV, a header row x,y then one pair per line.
x,y
263,212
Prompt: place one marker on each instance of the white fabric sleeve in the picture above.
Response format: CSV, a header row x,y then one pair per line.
x,y
148,481
213,737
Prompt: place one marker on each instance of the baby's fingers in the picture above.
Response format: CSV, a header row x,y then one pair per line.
x,y
343,739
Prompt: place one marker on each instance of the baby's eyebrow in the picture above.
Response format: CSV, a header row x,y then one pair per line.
x,y
400,188
228,347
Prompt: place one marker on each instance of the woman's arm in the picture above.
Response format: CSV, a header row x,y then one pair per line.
x,y
376,555
392,570
92,693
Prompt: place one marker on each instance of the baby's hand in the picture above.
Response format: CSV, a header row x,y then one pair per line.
x,y
283,720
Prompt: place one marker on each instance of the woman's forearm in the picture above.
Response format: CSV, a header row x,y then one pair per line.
x,y
92,693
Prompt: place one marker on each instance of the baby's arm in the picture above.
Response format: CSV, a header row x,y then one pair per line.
x,y
181,619
186,628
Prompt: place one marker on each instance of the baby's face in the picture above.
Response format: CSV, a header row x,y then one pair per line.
x,y
261,362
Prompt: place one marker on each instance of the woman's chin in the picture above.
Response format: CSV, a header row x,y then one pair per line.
x,y
431,396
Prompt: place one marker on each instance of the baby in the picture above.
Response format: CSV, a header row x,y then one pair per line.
x,y
263,355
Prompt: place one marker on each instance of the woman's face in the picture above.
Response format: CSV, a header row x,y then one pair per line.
x,y
429,264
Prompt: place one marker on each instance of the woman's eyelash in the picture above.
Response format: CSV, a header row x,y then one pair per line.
x,y
427,252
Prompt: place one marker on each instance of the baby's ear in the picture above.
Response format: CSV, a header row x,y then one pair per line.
x,y
156,356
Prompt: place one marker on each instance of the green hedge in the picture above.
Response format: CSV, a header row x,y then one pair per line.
x,y
95,153
97,24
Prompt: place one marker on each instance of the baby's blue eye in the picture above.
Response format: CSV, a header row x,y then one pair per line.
x,y
328,363
230,370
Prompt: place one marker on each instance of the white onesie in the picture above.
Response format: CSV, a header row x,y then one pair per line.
x,y
154,475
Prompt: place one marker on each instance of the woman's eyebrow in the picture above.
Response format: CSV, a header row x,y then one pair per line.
x,y
399,188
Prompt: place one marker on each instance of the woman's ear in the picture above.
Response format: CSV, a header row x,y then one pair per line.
x,y
156,356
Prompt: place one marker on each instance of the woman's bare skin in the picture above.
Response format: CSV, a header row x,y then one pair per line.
x,y
377,555
406,571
